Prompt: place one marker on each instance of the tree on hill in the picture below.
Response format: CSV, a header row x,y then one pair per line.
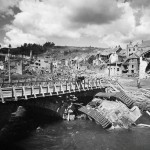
x,y
48,44
27,47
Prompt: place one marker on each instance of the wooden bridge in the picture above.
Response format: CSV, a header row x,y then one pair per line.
x,y
27,90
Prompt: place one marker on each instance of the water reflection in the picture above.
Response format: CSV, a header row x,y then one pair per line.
x,y
85,135
49,134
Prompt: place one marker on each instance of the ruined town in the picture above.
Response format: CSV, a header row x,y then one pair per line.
x,y
127,72
69,62
74,75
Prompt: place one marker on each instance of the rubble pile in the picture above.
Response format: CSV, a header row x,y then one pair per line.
x,y
112,108
140,97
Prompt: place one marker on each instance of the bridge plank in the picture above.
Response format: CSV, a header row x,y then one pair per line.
x,y
31,91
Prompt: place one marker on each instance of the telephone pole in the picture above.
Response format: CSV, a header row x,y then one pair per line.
x,y
9,74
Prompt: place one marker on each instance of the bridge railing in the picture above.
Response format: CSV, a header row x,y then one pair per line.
x,y
36,89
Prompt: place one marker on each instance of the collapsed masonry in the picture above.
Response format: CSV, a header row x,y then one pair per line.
x,y
117,109
112,110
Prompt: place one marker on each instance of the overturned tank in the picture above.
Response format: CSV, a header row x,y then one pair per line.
x,y
112,110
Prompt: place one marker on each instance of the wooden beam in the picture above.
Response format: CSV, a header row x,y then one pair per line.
x,y
55,89
82,86
66,86
33,92
24,92
71,87
48,87
61,88
14,93
78,88
96,83
41,89
84,83
89,85
101,84
1,95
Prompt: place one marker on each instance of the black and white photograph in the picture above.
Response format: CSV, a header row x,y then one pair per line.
x,y
74,74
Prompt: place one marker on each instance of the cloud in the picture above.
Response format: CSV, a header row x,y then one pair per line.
x,y
107,22
7,5
139,7
95,12
17,37
139,3
114,33
141,13
55,18
42,20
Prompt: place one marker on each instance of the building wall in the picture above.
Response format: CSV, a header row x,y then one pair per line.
x,y
96,62
114,70
142,68
1,65
42,62
133,66
131,49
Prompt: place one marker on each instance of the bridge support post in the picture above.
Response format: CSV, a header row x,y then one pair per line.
x,y
1,95
67,87
33,92
82,86
41,89
96,83
48,89
77,85
71,87
100,82
55,89
89,85
24,92
14,93
61,88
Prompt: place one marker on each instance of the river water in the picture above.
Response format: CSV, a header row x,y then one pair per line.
x,y
85,135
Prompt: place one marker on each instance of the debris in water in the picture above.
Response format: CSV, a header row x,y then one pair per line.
x,y
110,110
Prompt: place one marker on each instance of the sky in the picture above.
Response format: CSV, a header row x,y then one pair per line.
x,y
96,23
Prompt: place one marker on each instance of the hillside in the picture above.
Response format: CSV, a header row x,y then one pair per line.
x,y
63,52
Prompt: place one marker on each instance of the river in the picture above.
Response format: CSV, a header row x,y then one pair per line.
x,y
84,135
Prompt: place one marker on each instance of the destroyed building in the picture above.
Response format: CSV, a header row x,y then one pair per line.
x,y
131,49
136,56
131,65
113,67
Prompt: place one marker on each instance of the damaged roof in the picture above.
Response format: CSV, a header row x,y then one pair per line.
x,y
109,51
133,56
143,51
